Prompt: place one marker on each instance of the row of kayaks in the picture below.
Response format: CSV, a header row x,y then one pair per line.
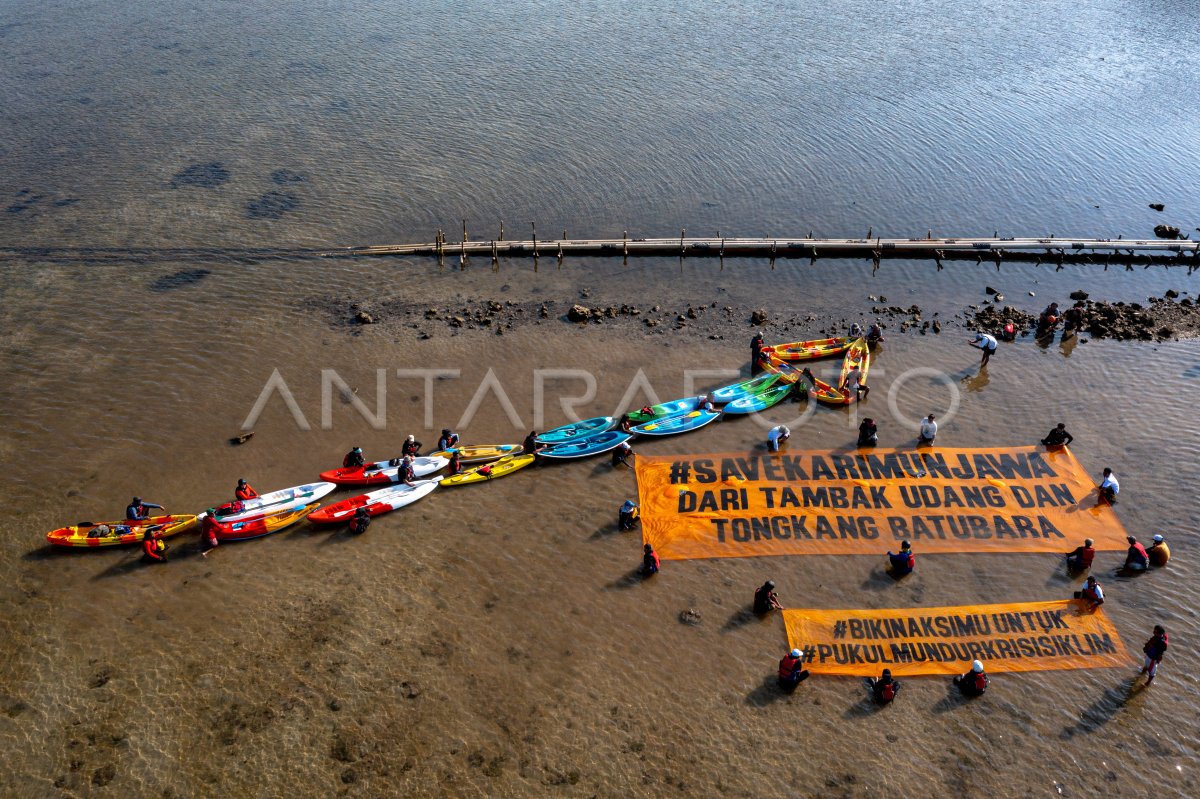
x,y
269,513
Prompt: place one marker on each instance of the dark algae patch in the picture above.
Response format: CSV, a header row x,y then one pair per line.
x,y
271,205
180,279
282,177
204,176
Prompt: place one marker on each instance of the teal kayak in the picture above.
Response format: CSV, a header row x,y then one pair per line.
x,y
679,423
590,445
760,401
745,388
571,432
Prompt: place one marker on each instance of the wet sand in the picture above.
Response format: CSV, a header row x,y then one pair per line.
x,y
493,640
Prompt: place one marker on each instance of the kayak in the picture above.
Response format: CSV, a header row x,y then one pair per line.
x,y
570,432
262,525
753,403
823,392
478,453
117,533
664,409
376,502
592,445
858,355
748,387
490,471
383,472
264,504
679,423
808,350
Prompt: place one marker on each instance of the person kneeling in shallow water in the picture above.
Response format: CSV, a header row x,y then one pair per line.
x,y
361,521
650,562
791,670
901,563
974,682
884,689
1080,558
628,515
868,433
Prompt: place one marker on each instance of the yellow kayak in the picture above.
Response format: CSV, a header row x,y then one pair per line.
x,y
115,534
480,453
506,465
858,355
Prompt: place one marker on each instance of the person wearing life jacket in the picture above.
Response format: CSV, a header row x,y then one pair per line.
x,y
627,516
244,491
974,682
360,521
791,670
455,465
620,454
208,532
154,549
765,598
1058,437
448,440
1091,594
353,459
411,446
1080,558
1155,648
1159,552
138,509
650,562
406,474
1136,558
902,563
884,689
756,345
1009,332
868,433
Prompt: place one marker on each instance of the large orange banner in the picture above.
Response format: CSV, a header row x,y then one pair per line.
x,y
1012,499
1028,636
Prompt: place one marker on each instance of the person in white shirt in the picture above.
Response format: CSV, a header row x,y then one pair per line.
x,y
928,430
1110,487
987,343
776,436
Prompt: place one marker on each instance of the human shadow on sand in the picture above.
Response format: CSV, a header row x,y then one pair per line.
x,y
867,706
769,692
954,699
629,580
1106,708
741,618
880,579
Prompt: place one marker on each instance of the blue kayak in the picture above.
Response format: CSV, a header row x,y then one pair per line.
x,y
591,445
679,423
576,430
760,401
745,388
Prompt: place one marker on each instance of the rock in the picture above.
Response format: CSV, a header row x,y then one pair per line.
x,y
937,326
430,313
882,298
999,298
495,307
579,313
1167,232
335,705
651,322
1079,294
691,312
1157,206
690,616
543,312
759,317
1031,294
1171,293
457,321
364,318
989,290
241,438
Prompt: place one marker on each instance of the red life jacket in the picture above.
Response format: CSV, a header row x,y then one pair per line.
x,y
788,665
245,492
980,681
889,692
152,546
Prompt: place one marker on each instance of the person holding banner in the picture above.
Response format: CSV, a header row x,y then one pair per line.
x,y
765,598
650,562
791,670
1136,559
1080,558
974,682
1155,648
1058,437
628,515
884,689
928,431
868,433
1092,594
1109,488
901,563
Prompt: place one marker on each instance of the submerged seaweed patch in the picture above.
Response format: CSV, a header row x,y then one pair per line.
x,y
282,177
271,205
177,280
206,176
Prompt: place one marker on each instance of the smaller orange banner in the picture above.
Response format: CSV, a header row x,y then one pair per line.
x,y
1026,636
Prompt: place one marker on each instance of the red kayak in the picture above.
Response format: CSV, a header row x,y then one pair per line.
x,y
263,525
376,502
383,472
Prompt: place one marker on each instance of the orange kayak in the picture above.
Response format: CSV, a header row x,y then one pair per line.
x,y
809,350
858,355
262,525
821,391
122,533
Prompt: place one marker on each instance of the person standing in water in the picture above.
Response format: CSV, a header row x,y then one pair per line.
x,y
650,562
627,516
1155,648
987,343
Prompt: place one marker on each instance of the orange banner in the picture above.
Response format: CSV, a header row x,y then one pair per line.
x,y
1015,499
1027,636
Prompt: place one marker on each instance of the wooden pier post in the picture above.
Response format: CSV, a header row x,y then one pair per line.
x,y
464,230
501,230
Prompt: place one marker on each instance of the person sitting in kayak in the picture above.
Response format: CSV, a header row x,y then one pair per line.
x,y
354,459
244,491
455,465
628,515
154,549
868,433
411,446
853,386
360,521
650,562
208,532
1058,437
138,510
406,473
1080,559
902,562
620,454
448,440
704,403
